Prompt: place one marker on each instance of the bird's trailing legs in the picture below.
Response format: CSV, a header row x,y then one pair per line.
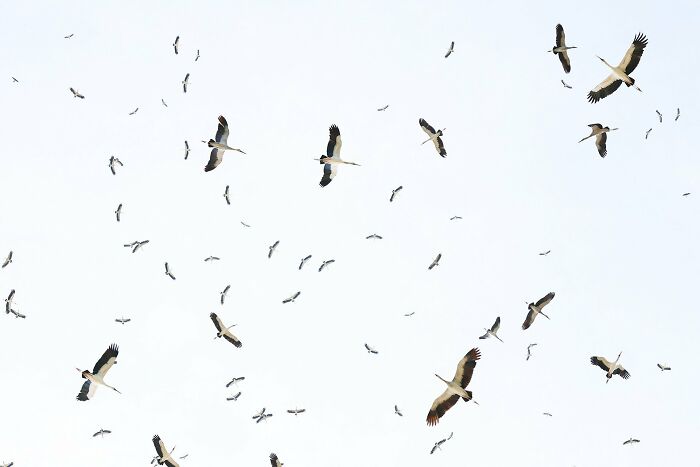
x,y
430,139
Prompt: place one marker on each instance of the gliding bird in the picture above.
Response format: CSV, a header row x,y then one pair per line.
x,y
168,272
109,358
455,388
187,149
561,49
434,136
220,145
8,260
528,351
450,50
436,261
291,298
663,367
493,330
272,249
303,261
332,158
224,292
370,349
611,369
118,212
223,331
101,433
76,93
599,131
226,197
176,44
565,85
185,82
325,263
536,308
113,161
164,457
394,192
661,117
620,73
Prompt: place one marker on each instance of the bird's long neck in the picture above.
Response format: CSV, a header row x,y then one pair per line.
x,y
446,382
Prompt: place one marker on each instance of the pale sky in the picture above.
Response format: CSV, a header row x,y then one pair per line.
x,y
624,260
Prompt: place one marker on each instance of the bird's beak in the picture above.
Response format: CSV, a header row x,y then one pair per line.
x,y
117,390
600,59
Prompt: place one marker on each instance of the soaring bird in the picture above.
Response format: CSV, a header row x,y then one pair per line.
x,y
291,298
223,331
197,57
565,85
134,111
678,114
260,416
8,301
394,192
220,144
545,253
303,261
663,367
211,259
661,117
113,161
234,381
493,330
176,44
118,212
185,82
611,369
226,196
101,433
561,49
122,320
224,292
8,260
325,263
397,411
17,314
68,36
646,135
234,397
76,93
168,272
529,354
455,388
450,50
438,445
455,218
436,261
630,441
244,224
536,308
373,236
332,158
187,149
96,378
686,194
272,249
599,131
434,136
15,80
370,349
274,460
139,245
296,411
383,108
163,102
546,414
164,457
620,74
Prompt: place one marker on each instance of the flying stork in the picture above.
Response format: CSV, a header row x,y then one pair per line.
x,y
436,261
113,161
678,114
686,194
17,314
211,259
529,354
493,330
373,236
274,460
164,457
118,212
397,411
260,416
234,397
410,314
139,245
244,224
185,82
15,80
565,85
176,44
383,108
223,331
621,72
8,301
370,349
68,36
599,131
134,111
434,136
187,149
168,272
163,102
661,117
394,192
546,414
220,145
272,249
332,158
455,218
646,135
234,381
536,308
122,320
8,260
197,57
7,465
663,367
611,369
292,297
545,253
76,93
303,261
325,263
101,433
226,196
455,388
296,411
561,49
450,50
96,378
224,292
631,441
438,445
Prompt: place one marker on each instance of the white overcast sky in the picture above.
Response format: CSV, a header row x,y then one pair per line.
x,y
624,260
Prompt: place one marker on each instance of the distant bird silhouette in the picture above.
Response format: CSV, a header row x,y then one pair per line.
x,y
436,261
451,50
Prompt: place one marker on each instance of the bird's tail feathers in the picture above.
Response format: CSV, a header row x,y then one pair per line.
x,y
469,393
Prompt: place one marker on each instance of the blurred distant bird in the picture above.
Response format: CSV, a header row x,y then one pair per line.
x,y
410,314
611,369
15,80
244,224
118,212
621,72
546,414
234,381
8,260
185,82
274,460
139,245
163,102
394,192
325,263
134,111
631,441
450,50
187,149
663,367
528,351
397,411
373,236
223,331
76,93
434,136
439,444
260,416
224,292
185,456
168,272
101,433
678,114
226,197
17,314
646,135
109,358
493,330
197,57
370,349
599,131
303,261
383,108
272,248
436,261
661,117
219,145
545,253
211,259
565,85
176,44
456,388
234,397
291,298
7,465
685,194
332,158
113,161
8,302
536,308
454,218
164,457
68,36
122,321
296,411
560,48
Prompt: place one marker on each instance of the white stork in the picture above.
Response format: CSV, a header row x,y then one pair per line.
x,y
68,36
211,259
545,253
611,369
220,145
536,308
546,414
686,194
18,314
272,248
118,212
187,149
383,108
410,314
451,50
303,261
561,49
646,135
197,57
455,218
7,465
76,93
224,292
565,85
397,411
493,331
122,320
661,117
599,131
184,457
621,72
296,411
260,416
325,263
438,445
113,161
101,433
139,245
244,224
168,272
8,260
163,102
96,378
529,354
332,158
185,82
663,367
15,80
226,196
678,114
292,297
274,460
223,331
455,388
134,111
176,44
164,457
234,381
436,261
631,441
434,136
234,397
8,301
394,192
373,237
370,349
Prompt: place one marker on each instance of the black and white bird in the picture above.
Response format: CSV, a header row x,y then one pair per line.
x,y
211,259
545,253
14,80
332,158
8,260
244,224
7,465
450,50
661,117
434,136
292,297
373,237
272,248
68,36
410,314
296,411
168,272
438,445
646,135
219,145
176,44
678,114
274,460
223,331
546,414
455,218
134,111
224,292
8,301
631,441
370,349
325,263
122,320
187,149
600,133
185,82
184,457
663,367
235,380
535,309
560,48
436,261
96,378
620,73
303,261
611,369
260,416
226,195
397,411
383,108
394,192
456,388
101,433
163,102
686,194
197,57
164,457
565,85
17,314
234,397
118,212
76,93
529,353
113,161
138,245
493,331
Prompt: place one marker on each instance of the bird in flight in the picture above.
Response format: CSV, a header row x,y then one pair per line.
x,y
68,36
451,50
260,416
291,298
565,85
244,224
678,114
325,263
455,218
113,161
76,93
493,331
118,212
611,369
8,302
456,388
176,44
663,367
185,82
621,72
332,158
545,253
234,397
8,260
168,272
397,411
373,236
122,321
303,261
646,135
134,111
685,194
394,192
197,57
226,196
410,314
438,445
234,381
661,117
17,314
187,149
383,108
536,308
370,349
224,292
546,414
14,80
560,48
600,133
109,358
211,259
272,249
223,331
295,411
434,136
529,354
219,145
436,261
274,460
630,441
137,245
163,102
101,433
